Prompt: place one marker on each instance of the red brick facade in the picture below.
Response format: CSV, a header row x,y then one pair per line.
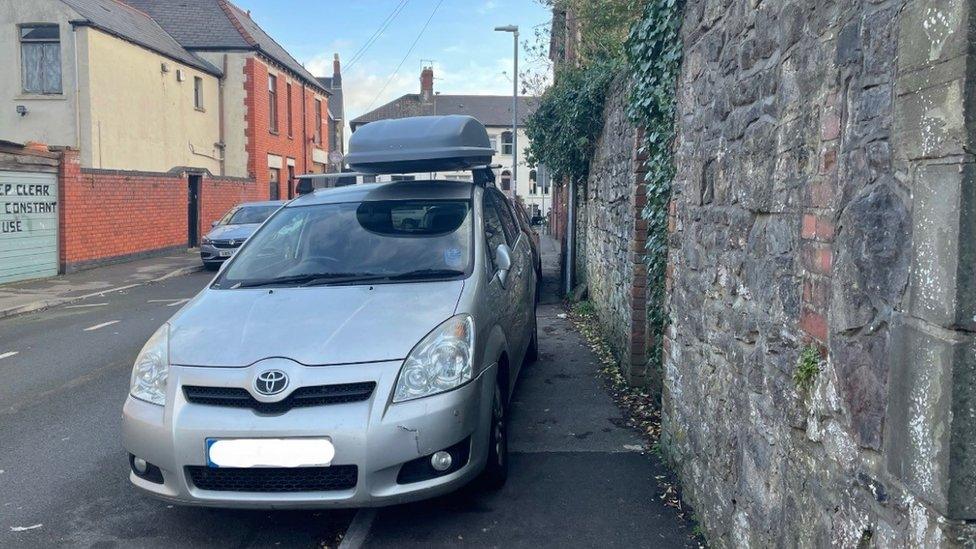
x,y
112,215
296,145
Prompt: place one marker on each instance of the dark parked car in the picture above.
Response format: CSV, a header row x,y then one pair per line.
x,y
230,231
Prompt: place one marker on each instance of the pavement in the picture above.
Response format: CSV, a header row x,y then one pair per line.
x,y
35,295
576,478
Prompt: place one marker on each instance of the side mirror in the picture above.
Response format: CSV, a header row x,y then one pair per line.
x,y
214,223
304,186
503,260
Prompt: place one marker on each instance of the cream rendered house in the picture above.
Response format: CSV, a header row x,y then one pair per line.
x,y
104,78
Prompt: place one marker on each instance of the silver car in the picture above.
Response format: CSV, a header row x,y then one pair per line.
x,y
231,230
359,350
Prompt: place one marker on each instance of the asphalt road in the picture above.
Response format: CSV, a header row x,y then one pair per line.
x,y
576,478
62,465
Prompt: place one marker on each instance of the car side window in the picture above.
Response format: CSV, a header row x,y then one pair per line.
x,y
505,215
494,230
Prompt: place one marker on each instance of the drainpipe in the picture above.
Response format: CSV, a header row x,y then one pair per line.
x,y
304,132
74,38
220,117
570,235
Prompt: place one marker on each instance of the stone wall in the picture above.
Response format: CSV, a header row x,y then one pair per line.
x,y
824,198
611,236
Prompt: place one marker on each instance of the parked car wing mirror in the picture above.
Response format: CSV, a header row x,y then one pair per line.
x,y
304,186
214,223
503,261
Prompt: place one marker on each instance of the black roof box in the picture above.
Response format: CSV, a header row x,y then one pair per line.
x,y
419,144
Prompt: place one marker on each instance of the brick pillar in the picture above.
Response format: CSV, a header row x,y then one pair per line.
x,y
69,176
636,364
817,229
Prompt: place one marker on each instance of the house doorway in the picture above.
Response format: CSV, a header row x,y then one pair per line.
x,y
193,211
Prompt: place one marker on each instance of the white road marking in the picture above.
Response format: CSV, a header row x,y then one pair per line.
x,y
86,305
102,325
358,529
8,354
24,528
178,302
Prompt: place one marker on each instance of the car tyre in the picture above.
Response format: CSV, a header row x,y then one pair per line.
x,y
496,470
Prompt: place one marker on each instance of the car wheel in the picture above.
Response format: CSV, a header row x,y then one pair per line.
x,y
496,470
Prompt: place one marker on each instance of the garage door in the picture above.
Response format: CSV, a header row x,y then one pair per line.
x,y
28,225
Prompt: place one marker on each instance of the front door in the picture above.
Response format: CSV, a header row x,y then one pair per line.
x,y
291,182
274,190
193,211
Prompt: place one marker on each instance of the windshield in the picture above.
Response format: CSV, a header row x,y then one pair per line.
x,y
356,242
249,215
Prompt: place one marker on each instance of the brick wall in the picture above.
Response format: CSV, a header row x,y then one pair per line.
x,y
262,141
108,215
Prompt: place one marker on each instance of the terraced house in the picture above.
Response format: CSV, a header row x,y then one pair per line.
x,y
161,116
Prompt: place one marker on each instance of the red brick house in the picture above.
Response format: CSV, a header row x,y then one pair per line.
x,y
284,108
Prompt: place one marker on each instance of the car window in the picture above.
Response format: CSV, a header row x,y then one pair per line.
x,y
505,215
494,230
416,239
252,214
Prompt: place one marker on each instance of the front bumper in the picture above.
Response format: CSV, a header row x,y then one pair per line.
x,y
375,435
212,254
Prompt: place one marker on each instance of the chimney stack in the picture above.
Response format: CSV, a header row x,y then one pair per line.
x,y
336,71
427,83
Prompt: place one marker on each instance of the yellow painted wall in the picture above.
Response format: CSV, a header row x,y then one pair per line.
x,y
137,117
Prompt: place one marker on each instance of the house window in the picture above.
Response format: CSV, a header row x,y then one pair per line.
x,y
507,143
40,59
403,178
288,108
333,134
506,180
273,102
533,181
318,122
198,92
494,143
274,191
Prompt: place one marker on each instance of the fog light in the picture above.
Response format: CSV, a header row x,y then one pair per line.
x,y
139,465
441,461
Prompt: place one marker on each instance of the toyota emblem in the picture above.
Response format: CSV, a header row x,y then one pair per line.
x,y
271,382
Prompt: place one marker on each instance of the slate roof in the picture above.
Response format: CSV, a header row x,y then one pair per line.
x,y
336,110
490,110
133,25
218,25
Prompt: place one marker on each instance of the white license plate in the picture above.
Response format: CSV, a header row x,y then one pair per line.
x,y
226,253
270,452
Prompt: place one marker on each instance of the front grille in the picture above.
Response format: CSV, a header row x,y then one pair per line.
x,y
277,479
318,395
227,243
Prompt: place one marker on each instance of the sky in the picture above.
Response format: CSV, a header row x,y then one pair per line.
x,y
468,56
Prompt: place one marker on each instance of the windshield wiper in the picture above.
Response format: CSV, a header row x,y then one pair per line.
x,y
426,273
307,279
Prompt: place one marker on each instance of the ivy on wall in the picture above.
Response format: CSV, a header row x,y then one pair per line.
x,y
654,51
563,130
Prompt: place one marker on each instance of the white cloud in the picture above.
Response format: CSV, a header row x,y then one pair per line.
x,y
488,6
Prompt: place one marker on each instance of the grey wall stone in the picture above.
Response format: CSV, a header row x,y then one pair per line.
x,y
825,196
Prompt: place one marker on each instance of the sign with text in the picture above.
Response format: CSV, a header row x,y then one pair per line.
x,y
28,225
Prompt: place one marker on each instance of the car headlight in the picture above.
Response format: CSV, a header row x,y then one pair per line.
x,y
151,369
205,240
441,361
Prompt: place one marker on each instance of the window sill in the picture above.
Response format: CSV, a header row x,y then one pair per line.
x,y
200,109
41,97
273,132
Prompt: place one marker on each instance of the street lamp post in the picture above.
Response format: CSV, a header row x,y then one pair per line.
x,y
515,34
